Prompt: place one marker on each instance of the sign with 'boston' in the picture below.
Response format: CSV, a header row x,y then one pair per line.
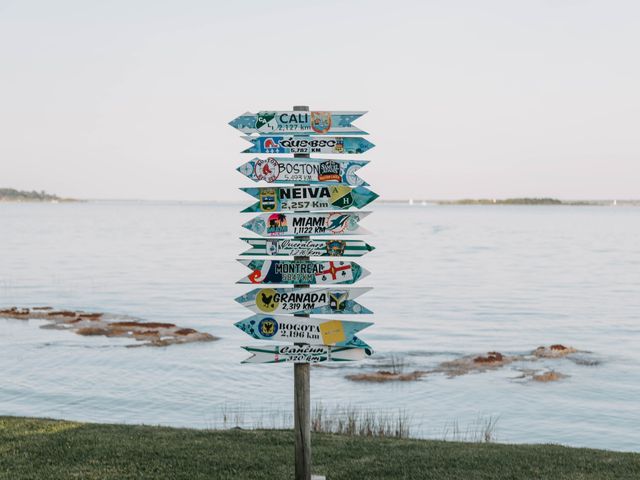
x,y
310,123
289,247
303,354
284,224
307,144
311,197
304,300
304,170
302,272
311,330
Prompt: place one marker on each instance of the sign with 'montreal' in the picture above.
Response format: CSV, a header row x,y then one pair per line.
x,y
296,272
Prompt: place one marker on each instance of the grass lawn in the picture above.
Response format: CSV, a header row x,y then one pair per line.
x,y
51,449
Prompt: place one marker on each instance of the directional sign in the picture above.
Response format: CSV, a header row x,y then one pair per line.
x,y
285,224
307,144
304,354
295,272
303,170
289,247
312,330
314,197
310,123
304,300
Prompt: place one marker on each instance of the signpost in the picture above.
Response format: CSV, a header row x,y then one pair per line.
x,y
323,188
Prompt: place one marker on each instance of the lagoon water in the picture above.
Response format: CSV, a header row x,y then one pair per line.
x,y
449,281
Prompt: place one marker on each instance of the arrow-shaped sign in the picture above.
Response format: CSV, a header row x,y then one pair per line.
x,y
285,224
304,170
304,354
304,300
312,330
312,197
307,144
295,272
289,247
310,123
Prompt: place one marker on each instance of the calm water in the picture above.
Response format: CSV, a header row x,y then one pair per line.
x,y
449,281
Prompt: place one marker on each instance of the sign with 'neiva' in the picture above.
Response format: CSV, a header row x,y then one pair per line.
x,y
299,122
304,170
309,197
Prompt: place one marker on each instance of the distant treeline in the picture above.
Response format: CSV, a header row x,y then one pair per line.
x,y
508,201
12,195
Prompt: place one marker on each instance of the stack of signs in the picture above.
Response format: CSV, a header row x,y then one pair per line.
x,y
305,197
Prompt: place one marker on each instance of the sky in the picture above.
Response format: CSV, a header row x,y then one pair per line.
x,y
466,98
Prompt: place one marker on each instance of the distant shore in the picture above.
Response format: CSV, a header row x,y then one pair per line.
x,y
516,201
13,195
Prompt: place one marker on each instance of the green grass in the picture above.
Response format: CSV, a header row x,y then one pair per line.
x,y
51,449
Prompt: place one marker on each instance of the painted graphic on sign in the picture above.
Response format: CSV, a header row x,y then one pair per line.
x,y
284,224
304,300
289,247
314,197
312,330
294,272
307,144
309,123
304,354
304,170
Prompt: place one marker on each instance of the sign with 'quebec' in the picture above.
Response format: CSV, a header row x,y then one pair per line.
x,y
304,170
308,197
299,122
304,300
307,144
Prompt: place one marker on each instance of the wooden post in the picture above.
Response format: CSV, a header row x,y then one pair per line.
x,y
302,392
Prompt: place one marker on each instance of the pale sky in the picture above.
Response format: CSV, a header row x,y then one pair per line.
x,y
131,99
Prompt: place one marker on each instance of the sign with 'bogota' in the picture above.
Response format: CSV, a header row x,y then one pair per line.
x,y
311,330
311,197
307,144
304,300
303,354
289,247
303,170
310,123
302,272
286,224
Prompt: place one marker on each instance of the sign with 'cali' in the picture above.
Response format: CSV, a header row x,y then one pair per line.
x,y
303,354
302,272
289,247
307,145
311,330
303,170
304,300
284,224
312,197
310,123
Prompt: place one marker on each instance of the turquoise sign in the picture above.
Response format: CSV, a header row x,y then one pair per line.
x,y
304,300
307,144
308,198
295,272
298,122
304,170
290,247
287,224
